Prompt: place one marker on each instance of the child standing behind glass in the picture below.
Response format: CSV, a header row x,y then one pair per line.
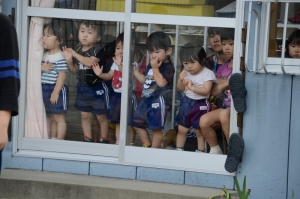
x,y
115,74
293,45
92,92
54,70
196,82
158,77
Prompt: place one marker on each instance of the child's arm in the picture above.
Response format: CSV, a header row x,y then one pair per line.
x,y
73,67
180,82
222,85
158,77
58,86
139,76
204,91
86,61
99,72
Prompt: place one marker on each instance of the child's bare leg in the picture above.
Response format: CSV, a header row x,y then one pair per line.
x,y
181,136
103,125
86,123
61,125
144,136
225,121
206,122
132,135
200,140
53,127
157,138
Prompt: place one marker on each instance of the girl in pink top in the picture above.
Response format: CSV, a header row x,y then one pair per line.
x,y
220,115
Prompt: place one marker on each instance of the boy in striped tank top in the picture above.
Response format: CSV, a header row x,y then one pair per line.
x,y
54,70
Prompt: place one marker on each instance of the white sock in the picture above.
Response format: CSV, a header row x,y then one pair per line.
x,y
215,150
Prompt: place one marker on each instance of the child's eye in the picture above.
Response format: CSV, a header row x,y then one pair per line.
x,y
90,32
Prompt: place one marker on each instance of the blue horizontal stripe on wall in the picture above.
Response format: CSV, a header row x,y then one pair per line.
x,y
9,62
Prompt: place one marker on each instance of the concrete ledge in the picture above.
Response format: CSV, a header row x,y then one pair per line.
x,y
36,184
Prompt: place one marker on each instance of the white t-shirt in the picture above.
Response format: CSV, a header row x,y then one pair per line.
x,y
198,81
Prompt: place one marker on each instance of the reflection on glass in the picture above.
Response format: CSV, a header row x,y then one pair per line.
x,y
276,33
182,132
209,8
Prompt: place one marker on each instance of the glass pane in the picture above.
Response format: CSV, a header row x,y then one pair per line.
x,y
165,116
276,34
102,5
68,100
224,8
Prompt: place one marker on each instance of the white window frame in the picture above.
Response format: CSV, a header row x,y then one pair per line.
x,y
119,154
265,64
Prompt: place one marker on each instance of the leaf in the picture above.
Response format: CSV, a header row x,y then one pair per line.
x,y
238,187
214,195
244,187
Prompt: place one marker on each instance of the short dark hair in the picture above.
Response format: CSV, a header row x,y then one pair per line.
x,y
158,40
55,28
294,38
214,31
96,25
120,38
227,34
192,51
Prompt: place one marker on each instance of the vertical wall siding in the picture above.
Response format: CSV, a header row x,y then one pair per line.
x,y
294,157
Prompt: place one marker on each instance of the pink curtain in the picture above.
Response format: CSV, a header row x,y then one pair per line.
x,y
35,122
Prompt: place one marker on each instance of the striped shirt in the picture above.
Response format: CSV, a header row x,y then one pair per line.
x,y
60,65
9,66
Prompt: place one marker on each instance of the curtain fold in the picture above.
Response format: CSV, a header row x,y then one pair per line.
x,y
35,117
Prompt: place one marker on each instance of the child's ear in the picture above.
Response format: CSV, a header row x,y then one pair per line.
x,y
169,51
60,41
98,38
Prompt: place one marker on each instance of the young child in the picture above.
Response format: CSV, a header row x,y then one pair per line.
x,y
221,115
54,70
92,92
157,79
218,58
115,74
196,82
293,45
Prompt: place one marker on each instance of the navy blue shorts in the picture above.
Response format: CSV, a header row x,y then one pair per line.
x,y
115,107
93,99
190,112
151,113
62,102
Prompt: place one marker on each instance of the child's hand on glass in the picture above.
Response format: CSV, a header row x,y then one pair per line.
x,y
47,67
67,53
54,98
118,59
97,69
155,63
135,66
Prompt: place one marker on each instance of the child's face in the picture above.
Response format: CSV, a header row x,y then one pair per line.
x,y
87,36
50,41
294,51
193,67
160,54
119,49
228,48
215,42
